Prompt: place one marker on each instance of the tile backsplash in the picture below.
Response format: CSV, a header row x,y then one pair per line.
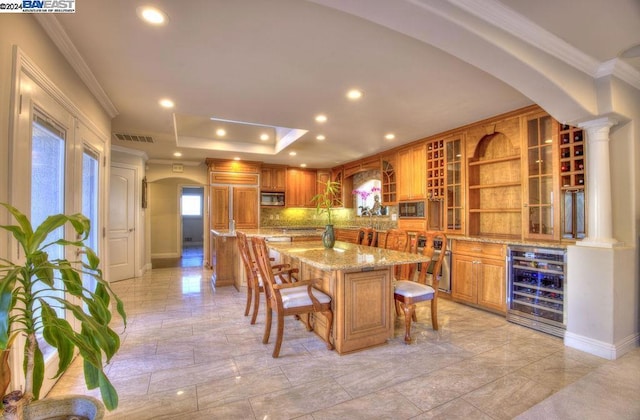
x,y
307,217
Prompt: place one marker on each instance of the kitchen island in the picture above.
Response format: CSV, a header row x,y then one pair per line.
x,y
226,266
360,281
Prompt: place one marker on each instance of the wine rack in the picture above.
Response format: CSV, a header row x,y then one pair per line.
x,y
572,157
435,170
572,181
537,289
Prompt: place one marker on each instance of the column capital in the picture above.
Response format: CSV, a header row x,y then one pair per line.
x,y
598,123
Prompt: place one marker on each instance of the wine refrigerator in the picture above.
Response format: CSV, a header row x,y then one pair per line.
x,y
537,288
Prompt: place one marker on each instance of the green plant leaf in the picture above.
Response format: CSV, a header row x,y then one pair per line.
x,y
50,224
91,375
55,332
25,229
6,305
108,392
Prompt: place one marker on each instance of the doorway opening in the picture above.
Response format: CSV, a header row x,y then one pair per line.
x,y
192,222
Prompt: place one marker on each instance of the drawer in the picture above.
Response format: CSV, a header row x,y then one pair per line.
x,y
481,249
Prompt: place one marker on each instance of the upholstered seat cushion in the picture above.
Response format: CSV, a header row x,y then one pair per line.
x,y
294,297
413,289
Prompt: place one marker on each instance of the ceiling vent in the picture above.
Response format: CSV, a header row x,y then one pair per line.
x,y
134,137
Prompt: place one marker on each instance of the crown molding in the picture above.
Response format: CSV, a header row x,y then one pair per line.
x,y
59,36
620,69
132,152
503,17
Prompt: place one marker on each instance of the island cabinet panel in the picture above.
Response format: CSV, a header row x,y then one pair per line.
x,y
224,260
479,274
362,305
368,319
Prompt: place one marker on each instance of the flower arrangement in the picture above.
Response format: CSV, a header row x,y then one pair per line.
x,y
377,208
365,194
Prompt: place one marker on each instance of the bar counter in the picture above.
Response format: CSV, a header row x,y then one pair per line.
x,y
360,281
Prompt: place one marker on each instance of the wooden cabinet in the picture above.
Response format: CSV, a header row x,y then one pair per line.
x,y
301,187
479,274
273,178
389,181
219,196
224,261
245,207
412,163
322,177
495,186
237,166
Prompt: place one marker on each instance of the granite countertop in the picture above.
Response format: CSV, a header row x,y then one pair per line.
x,y
344,255
317,231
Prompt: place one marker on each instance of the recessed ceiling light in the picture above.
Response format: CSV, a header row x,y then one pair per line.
x,y
321,118
390,136
152,16
303,165
320,137
166,103
221,132
264,137
236,158
292,153
354,94
177,154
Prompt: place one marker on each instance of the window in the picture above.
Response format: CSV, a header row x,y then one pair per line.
x,y
192,205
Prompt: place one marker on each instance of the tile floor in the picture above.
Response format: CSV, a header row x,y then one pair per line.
x,y
189,352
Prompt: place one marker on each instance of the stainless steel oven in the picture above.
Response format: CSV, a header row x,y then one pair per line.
x,y
411,210
445,273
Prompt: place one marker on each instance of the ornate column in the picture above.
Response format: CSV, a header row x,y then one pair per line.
x,y
599,214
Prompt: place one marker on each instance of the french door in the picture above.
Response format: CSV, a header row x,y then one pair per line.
x,y
57,168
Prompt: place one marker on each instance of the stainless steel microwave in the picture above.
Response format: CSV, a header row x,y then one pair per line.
x,y
411,210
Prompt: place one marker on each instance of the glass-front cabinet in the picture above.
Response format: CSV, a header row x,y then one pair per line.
x,y
388,174
540,211
454,182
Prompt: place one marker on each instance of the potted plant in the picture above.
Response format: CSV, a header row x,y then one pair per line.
x,y
325,201
30,293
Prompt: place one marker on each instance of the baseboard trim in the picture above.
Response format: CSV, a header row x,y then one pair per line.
x,y
166,255
600,348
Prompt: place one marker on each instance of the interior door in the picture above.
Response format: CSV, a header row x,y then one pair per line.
x,y
122,223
